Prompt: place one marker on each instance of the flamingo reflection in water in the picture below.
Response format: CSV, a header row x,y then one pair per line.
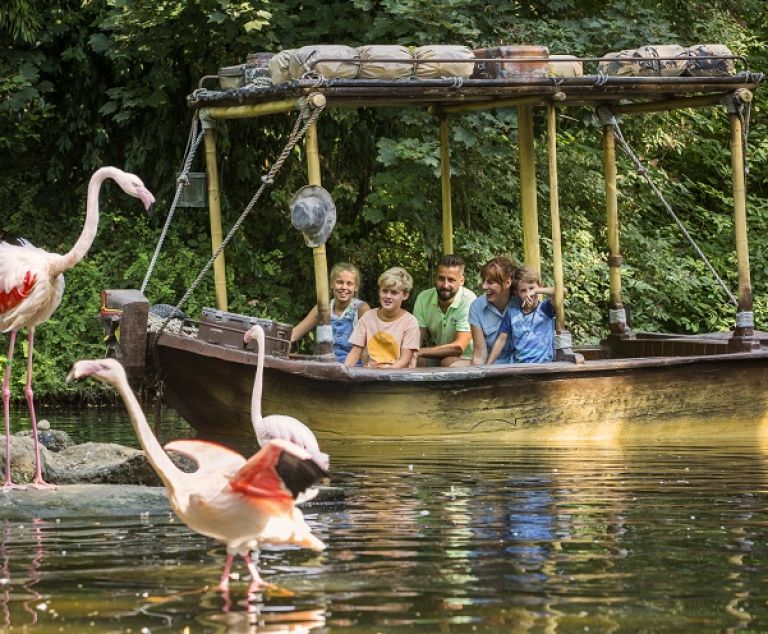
x,y
278,426
240,503
18,586
31,288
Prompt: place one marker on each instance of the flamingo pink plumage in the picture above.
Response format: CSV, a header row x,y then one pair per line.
x,y
31,287
277,425
240,503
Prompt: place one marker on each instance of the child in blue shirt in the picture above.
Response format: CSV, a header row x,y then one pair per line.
x,y
530,322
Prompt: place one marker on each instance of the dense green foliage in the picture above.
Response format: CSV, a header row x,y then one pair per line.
x,y
85,84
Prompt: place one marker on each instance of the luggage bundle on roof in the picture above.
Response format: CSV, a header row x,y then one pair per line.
x,y
377,61
395,62
670,60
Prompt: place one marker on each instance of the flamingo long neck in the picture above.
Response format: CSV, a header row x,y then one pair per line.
x,y
257,383
87,236
157,457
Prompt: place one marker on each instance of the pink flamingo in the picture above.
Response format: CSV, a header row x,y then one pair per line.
x,y
31,287
240,503
278,426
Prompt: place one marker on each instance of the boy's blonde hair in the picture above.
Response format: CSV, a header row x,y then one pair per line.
x,y
397,277
526,274
349,268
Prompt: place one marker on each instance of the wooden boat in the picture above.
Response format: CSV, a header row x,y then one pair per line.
x,y
634,384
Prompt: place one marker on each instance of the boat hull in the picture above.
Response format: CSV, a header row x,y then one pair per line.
x,y
724,394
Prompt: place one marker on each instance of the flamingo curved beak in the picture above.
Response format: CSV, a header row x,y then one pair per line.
x,y
147,199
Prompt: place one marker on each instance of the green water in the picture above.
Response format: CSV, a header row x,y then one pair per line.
x,y
431,537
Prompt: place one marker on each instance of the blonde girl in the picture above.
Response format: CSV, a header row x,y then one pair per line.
x,y
346,308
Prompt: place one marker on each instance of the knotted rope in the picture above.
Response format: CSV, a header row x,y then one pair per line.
x,y
268,179
192,142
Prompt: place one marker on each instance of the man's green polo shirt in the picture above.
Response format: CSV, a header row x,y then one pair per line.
x,y
443,326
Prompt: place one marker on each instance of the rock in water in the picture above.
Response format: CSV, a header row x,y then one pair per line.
x,y
51,439
93,462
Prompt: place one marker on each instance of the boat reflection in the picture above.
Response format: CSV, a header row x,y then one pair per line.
x,y
429,536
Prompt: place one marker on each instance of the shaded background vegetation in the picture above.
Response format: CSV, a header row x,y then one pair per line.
x,y
84,84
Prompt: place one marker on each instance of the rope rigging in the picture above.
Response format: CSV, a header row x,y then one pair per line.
x,y
268,179
192,142
608,118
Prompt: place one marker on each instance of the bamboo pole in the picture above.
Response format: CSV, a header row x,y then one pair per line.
x,y
554,209
617,315
740,213
323,332
445,185
563,344
743,335
527,154
214,214
255,110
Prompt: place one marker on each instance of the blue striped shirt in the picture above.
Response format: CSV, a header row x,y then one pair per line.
x,y
532,334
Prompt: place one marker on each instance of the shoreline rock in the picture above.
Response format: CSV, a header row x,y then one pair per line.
x,y
64,462
84,501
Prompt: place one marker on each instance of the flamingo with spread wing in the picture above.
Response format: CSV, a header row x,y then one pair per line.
x,y
31,287
240,503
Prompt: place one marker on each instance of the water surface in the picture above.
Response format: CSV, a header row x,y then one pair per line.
x,y
431,537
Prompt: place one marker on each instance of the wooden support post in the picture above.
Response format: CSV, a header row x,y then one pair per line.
x,y
563,345
617,314
214,212
527,155
445,185
743,338
323,332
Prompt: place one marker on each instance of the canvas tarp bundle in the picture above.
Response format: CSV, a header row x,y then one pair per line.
x,y
714,65
304,61
646,61
564,66
435,70
279,66
669,60
399,68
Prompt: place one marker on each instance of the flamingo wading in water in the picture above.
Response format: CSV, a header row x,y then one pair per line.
x,y
31,287
240,503
278,426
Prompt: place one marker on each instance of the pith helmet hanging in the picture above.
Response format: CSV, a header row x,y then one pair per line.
x,y
313,213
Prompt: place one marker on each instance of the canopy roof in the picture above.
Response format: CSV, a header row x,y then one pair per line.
x,y
482,93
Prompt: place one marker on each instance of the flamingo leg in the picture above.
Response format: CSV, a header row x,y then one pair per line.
x,y
37,482
256,580
224,582
8,485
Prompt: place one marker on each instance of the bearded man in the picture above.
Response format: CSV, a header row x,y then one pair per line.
x,y
443,316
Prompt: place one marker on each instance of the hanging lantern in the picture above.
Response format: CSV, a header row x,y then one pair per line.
x,y
195,191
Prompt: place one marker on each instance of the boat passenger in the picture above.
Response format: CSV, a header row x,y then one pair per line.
x,y
529,323
443,316
486,311
387,337
345,307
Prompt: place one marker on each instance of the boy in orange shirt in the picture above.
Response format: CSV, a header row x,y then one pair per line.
x,y
388,335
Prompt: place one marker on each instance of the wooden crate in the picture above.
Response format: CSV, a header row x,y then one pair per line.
x,y
227,329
